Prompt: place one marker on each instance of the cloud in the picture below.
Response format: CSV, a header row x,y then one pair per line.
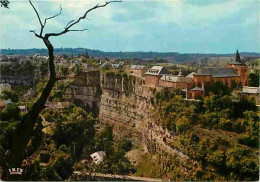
x,y
167,25
193,13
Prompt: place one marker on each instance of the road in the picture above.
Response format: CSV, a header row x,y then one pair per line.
x,y
122,177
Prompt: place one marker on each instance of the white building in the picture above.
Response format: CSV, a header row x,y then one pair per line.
x,y
252,92
98,156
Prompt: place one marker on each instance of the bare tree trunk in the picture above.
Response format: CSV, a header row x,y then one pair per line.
x,y
24,130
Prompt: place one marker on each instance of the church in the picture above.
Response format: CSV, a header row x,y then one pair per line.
x,y
235,73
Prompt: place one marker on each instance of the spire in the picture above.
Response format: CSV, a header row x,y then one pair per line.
x,y
238,57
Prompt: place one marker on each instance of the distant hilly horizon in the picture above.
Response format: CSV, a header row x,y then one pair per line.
x,y
170,56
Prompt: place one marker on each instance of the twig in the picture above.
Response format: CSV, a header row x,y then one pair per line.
x,y
78,30
53,16
70,24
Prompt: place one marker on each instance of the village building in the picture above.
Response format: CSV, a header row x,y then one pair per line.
x,y
240,68
105,63
22,108
190,75
138,70
252,92
81,58
195,93
234,73
175,81
117,66
153,75
98,156
210,75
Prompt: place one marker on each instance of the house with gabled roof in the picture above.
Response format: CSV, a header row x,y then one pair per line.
x,y
138,70
176,81
153,75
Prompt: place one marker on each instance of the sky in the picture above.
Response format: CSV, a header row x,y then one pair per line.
x,y
184,26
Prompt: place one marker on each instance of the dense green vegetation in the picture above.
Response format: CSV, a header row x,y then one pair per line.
x,y
71,138
220,135
253,79
20,69
9,95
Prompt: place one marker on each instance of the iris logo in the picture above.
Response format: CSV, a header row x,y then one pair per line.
x,y
16,171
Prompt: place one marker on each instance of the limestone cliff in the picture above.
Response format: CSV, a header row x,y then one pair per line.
x,y
127,105
124,102
86,88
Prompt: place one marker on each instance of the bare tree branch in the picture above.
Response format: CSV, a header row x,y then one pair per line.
x,y
4,3
78,30
91,9
52,16
70,24
37,35
37,16
45,21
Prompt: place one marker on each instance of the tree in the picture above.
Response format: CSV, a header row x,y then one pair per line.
x,y
104,140
23,131
10,94
10,112
4,3
64,70
86,55
253,79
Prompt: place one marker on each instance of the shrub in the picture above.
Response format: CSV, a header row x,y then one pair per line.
x,y
226,124
249,140
182,124
45,156
126,145
10,94
10,112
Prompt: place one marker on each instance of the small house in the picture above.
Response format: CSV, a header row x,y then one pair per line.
x,y
153,75
138,70
252,92
98,157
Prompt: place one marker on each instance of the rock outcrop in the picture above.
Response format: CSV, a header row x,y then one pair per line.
x,y
85,87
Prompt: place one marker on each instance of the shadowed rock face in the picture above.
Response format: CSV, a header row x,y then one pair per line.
x,y
85,88
17,80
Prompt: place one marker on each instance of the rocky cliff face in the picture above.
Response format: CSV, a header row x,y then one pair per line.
x,y
127,105
85,88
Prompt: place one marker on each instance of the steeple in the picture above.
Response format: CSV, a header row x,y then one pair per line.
x,y
238,60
